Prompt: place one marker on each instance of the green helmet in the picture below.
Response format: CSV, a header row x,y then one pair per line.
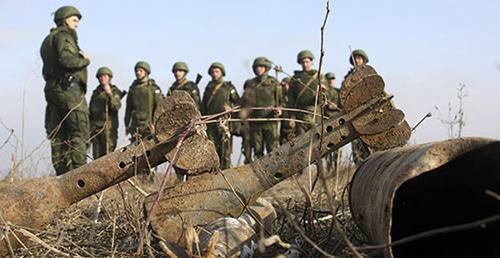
x,y
358,52
262,61
180,66
65,12
144,65
304,54
104,70
217,65
286,80
330,76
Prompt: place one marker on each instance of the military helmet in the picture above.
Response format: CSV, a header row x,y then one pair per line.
x,y
262,61
217,65
144,65
330,76
286,80
304,54
104,70
180,66
358,52
65,12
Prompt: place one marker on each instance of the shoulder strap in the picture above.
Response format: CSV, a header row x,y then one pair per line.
x,y
306,86
216,88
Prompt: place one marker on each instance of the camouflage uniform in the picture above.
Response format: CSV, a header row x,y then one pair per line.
x,y
65,75
104,117
142,99
262,92
218,96
285,128
360,151
185,85
302,94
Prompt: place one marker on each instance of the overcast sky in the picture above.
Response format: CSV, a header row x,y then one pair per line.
x,y
423,49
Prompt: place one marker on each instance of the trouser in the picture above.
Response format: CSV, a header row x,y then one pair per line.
x,y
263,134
285,131
104,138
223,145
67,125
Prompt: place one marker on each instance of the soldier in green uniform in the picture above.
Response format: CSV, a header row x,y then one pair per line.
x,y
180,70
285,128
263,91
104,105
65,75
360,151
142,99
219,96
302,93
332,106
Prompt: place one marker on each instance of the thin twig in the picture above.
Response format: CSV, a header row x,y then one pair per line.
x,y
182,137
437,231
42,243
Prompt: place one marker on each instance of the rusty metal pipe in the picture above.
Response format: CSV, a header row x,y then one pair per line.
x,y
35,202
208,197
405,191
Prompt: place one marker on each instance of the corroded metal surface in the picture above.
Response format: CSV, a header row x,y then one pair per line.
x,y
380,129
197,153
376,182
33,203
352,79
211,196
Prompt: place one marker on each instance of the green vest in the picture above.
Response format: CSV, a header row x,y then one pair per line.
x,y
142,100
100,102
217,95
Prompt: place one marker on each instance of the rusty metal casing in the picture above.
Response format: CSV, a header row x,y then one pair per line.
x,y
409,190
208,197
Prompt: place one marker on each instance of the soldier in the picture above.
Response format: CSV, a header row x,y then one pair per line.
x,y
142,99
219,96
285,129
180,70
263,91
65,75
302,94
332,106
360,151
104,105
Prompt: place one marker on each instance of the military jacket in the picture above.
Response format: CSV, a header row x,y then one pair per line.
x,y
100,102
142,100
61,57
217,95
188,86
302,92
262,92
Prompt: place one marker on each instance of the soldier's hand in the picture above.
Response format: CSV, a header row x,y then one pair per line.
x,y
107,89
291,123
85,55
277,111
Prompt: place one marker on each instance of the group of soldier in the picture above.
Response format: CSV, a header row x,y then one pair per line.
x,y
269,112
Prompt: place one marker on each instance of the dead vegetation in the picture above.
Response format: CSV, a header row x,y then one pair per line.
x,y
305,224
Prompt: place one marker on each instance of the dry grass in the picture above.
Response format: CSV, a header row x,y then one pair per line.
x,y
116,231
